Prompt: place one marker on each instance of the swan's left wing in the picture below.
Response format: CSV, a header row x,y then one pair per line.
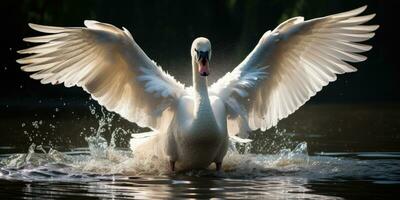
x,y
289,65
107,63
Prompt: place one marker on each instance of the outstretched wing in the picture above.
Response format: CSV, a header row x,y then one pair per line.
x,y
107,63
291,64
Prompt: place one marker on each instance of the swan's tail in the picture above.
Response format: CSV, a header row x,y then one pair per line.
x,y
140,138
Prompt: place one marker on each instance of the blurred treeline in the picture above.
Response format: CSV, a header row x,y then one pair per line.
x,y
165,30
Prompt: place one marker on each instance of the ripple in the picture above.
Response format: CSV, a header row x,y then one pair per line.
x,y
115,173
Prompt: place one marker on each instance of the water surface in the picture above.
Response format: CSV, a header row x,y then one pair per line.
x,y
322,152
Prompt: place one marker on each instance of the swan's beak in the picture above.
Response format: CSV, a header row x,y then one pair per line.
x,y
203,63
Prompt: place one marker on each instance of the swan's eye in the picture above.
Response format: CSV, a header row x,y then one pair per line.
x,y
197,53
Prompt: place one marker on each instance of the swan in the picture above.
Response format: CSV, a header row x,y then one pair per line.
x,y
192,126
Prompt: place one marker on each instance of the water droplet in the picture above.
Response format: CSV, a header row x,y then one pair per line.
x,y
35,124
52,126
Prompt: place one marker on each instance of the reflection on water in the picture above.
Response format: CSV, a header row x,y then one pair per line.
x,y
289,174
281,166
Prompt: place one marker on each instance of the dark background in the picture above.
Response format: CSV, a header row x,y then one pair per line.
x,y
165,30
360,112
364,104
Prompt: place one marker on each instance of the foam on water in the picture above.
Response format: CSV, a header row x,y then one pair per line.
x,y
102,159
41,165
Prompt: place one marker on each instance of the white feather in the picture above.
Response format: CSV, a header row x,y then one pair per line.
x,y
302,57
287,67
105,62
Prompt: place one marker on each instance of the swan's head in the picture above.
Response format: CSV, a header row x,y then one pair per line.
x,y
201,55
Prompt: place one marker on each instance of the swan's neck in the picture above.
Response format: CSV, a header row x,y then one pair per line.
x,y
202,105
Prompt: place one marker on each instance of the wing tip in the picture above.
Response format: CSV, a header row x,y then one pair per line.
x,y
22,61
88,22
363,8
22,67
47,29
372,15
31,25
34,26
20,52
368,48
350,13
29,39
360,9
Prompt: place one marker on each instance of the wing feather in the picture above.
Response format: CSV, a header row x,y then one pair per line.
x,y
294,61
107,63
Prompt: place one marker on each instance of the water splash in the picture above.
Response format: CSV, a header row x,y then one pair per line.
x,y
105,160
103,157
97,144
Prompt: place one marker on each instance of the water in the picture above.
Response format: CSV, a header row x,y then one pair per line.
x,y
333,162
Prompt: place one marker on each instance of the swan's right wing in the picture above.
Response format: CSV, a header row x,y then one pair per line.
x,y
107,63
291,64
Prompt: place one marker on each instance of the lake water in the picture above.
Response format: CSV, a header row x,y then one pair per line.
x,y
321,152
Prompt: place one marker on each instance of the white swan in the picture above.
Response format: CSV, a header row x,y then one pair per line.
x,y
191,125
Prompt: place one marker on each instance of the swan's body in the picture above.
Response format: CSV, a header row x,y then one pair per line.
x,y
197,135
192,125
204,137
